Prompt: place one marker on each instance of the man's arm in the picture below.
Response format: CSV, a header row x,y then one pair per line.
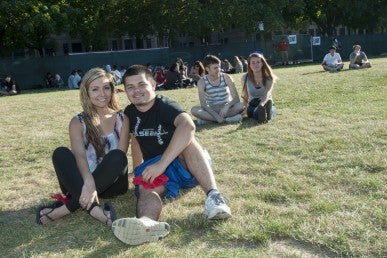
x,y
136,153
352,58
233,91
324,62
233,95
364,56
182,137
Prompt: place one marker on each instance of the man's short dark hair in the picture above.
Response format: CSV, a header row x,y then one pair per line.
x,y
210,59
136,70
332,47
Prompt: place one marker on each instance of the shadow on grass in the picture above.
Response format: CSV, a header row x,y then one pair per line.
x,y
246,123
322,71
197,228
21,236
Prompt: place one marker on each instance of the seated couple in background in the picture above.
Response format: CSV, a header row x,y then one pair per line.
x,y
219,100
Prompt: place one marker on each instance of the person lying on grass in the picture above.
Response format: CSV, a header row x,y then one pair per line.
x,y
166,157
96,165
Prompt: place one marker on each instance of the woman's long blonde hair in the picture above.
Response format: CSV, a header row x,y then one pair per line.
x,y
90,115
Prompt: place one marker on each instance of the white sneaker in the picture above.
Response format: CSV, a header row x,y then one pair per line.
x,y
134,231
216,207
234,119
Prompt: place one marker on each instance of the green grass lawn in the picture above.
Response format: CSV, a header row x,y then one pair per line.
x,y
312,183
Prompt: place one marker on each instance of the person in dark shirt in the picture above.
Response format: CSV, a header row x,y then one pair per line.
x,y
166,157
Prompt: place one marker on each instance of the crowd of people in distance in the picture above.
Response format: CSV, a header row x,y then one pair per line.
x,y
179,75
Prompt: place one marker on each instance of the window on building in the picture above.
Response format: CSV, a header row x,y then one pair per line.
x,y
191,44
65,48
139,43
114,45
76,47
342,31
148,43
128,44
49,52
311,32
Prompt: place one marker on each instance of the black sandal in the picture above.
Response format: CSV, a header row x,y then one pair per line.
x,y
52,206
92,207
109,208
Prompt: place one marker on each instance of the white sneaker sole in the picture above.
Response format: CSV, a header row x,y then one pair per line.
x,y
133,231
219,214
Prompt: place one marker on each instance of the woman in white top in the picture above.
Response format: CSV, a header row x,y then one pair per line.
x,y
96,165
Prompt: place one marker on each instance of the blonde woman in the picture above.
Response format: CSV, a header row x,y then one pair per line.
x,y
257,89
96,165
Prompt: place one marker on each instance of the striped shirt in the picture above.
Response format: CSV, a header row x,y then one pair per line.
x,y
216,94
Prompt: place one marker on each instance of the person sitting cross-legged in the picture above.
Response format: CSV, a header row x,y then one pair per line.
x,y
166,157
358,59
219,99
332,61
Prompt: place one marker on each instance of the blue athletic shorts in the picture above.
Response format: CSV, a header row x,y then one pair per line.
x,y
179,177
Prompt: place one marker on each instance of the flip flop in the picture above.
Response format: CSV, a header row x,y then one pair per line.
x,y
52,206
109,208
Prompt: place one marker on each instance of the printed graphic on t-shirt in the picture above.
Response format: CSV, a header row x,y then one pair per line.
x,y
150,132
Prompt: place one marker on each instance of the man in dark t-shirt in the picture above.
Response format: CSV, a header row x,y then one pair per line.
x,y
154,129
166,157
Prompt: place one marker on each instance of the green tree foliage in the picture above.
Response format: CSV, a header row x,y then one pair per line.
x,y
328,14
91,20
31,23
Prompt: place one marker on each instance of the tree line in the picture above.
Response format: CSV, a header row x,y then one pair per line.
x,y
31,23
